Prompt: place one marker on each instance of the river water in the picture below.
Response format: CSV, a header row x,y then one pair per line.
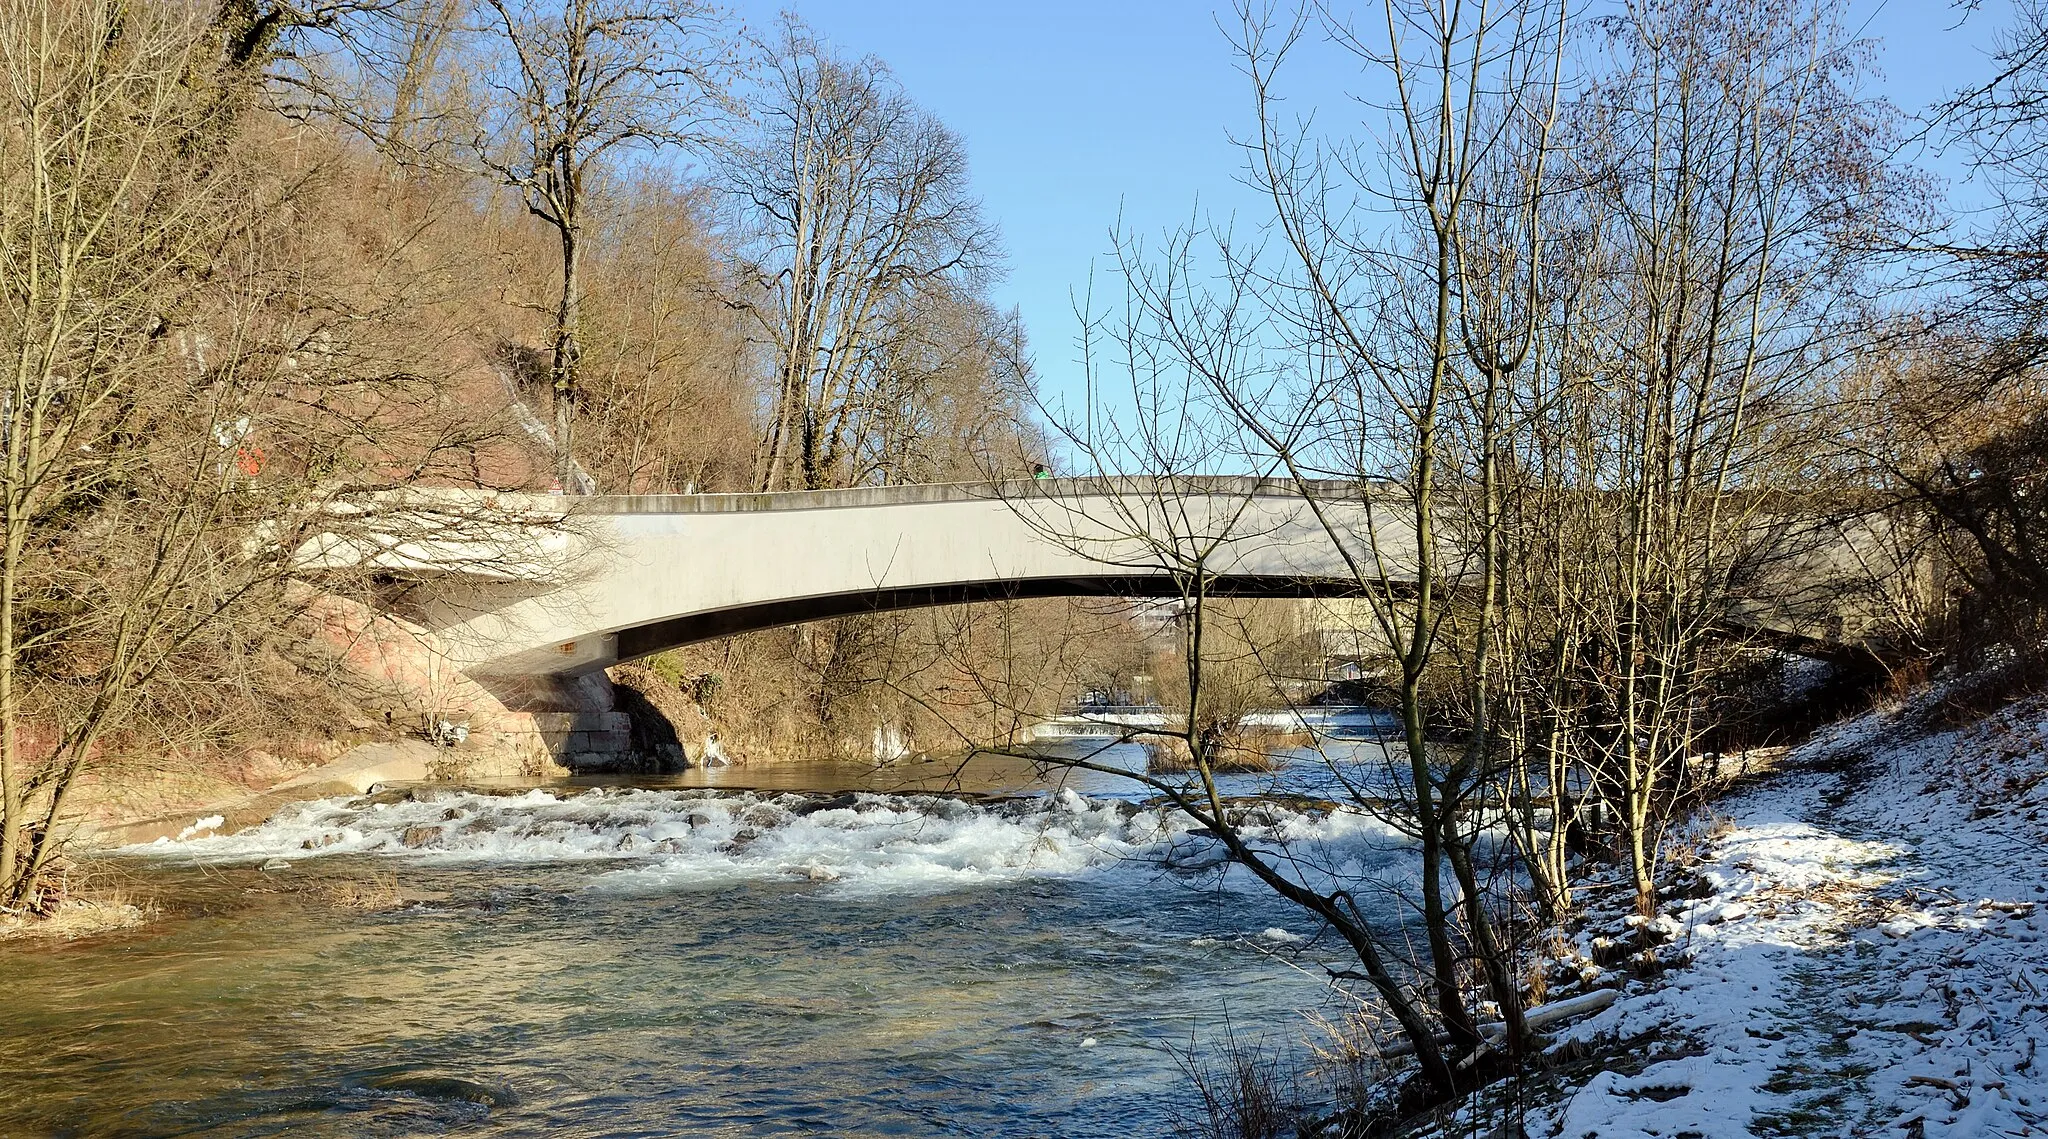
x,y
661,960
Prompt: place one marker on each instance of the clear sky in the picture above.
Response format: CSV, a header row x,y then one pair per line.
x,y
1078,112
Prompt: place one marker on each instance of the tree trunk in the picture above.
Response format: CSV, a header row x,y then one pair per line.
x,y
567,352
422,59
13,800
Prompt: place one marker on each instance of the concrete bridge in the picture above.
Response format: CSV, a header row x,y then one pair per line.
x,y
613,578
652,572
1119,722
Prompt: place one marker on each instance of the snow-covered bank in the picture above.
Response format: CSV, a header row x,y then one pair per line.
x,y
1872,958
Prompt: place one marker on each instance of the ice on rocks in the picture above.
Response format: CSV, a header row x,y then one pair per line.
x,y
200,826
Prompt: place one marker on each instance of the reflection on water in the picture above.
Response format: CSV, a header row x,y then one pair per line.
x,y
664,962
1353,749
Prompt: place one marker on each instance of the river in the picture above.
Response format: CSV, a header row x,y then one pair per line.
x,y
675,959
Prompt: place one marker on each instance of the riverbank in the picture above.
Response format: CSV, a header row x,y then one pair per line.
x,y
1866,952
1852,947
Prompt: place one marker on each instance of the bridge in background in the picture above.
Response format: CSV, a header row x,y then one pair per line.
x,y
657,571
613,578
1097,722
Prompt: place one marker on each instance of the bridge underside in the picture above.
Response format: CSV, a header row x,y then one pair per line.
x,y
658,636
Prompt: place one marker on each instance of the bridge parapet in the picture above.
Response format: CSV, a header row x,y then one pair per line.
x,y
1135,487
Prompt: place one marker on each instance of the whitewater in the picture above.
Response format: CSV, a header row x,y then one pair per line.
x,y
847,844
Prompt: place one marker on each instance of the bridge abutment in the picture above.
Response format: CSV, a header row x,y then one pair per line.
x,y
575,719
403,670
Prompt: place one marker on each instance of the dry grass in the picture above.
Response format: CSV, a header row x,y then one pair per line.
x,y
1239,754
1347,1049
76,918
1245,1091
367,893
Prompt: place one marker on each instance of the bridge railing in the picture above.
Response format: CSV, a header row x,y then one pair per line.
x,y
1010,490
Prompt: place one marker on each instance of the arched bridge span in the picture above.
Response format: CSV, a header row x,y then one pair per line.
x,y
657,571
639,574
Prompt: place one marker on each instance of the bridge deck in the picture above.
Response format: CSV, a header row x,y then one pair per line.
x,y
642,573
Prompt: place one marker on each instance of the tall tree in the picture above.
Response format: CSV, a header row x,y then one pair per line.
x,y
387,70
1413,273
124,234
1730,163
948,396
672,388
582,86
853,209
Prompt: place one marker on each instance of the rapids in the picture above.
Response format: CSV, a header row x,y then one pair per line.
x,y
671,960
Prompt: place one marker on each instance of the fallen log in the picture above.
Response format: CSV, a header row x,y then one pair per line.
x,y
1538,1018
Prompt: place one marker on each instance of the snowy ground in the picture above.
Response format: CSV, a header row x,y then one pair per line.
x,y
1872,960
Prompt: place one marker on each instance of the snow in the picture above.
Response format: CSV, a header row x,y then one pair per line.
x,y
1870,959
199,826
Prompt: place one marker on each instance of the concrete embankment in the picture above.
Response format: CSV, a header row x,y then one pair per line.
x,y
360,770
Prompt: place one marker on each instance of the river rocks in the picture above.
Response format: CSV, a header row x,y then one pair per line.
x,y
1258,816
845,802
415,837
437,1086
765,816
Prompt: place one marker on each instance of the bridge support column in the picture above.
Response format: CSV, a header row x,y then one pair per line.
x,y
575,718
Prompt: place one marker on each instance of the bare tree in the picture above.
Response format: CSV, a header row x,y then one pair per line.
x,y
1951,422
1170,367
209,402
1729,162
951,392
2000,127
430,27
387,70
1417,332
121,433
582,86
671,385
854,212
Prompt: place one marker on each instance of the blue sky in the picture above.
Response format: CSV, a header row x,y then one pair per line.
x,y
1077,113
